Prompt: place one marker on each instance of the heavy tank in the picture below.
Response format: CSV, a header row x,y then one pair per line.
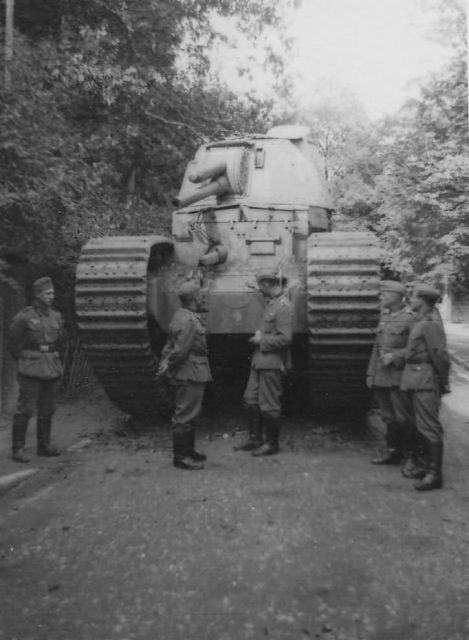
x,y
246,205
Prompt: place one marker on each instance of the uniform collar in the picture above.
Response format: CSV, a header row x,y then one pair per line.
x,y
41,308
274,298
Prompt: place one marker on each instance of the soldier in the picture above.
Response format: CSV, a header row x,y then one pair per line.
x,y
410,287
385,370
425,379
184,360
270,361
36,339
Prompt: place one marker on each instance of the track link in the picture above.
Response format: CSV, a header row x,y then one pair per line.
x,y
111,306
343,285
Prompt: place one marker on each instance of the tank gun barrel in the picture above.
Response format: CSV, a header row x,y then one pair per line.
x,y
212,171
217,187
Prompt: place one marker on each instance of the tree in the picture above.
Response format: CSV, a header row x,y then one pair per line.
x,y
408,180
104,113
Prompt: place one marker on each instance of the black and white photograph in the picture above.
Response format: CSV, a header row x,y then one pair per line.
x,y
234,320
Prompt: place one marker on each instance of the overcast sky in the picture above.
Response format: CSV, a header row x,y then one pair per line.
x,y
375,48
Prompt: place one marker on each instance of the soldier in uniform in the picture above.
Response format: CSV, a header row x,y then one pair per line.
x,y
425,380
384,374
184,360
36,338
270,361
410,287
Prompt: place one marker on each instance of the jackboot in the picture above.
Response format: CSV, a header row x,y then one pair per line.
x,y
394,446
254,439
433,478
182,450
271,446
197,456
391,456
18,438
412,468
43,429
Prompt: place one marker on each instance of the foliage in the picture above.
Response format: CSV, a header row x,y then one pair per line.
x,y
109,100
407,178
424,184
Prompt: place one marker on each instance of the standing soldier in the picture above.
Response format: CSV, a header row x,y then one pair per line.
x,y
270,361
184,359
425,378
385,370
36,338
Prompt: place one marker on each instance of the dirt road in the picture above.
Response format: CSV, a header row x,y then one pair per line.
x,y
110,542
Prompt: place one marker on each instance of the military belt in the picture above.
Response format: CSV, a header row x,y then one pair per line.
x,y
42,348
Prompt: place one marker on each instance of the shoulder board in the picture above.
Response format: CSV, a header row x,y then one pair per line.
x,y
26,312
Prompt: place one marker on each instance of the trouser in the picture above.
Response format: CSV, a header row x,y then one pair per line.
x,y
188,399
396,412
264,390
426,408
34,395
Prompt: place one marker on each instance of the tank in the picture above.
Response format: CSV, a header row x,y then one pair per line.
x,y
245,205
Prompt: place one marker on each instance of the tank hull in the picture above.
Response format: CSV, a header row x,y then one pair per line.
x,y
246,205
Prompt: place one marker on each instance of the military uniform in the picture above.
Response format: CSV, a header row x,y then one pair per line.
x,y
36,338
425,379
186,356
385,379
270,361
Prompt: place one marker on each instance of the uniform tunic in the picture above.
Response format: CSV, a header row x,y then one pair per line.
x,y
425,375
36,338
186,355
393,333
271,358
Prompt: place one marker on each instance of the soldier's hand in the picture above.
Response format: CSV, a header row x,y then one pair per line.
x,y
256,338
369,382
386,359
162,369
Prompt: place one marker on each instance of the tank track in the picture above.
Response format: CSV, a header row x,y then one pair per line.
x,y
111,307
343,276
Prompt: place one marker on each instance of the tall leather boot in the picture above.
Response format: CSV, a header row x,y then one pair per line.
x,y
43,429
433,479
271,446
197,456
393,453
412,467
18,438
254,439
182,448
